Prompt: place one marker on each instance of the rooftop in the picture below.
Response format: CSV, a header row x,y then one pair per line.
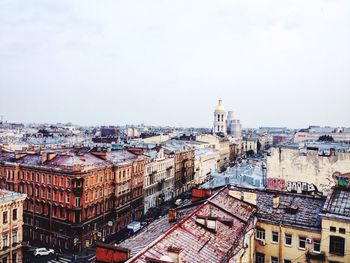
x,y
338,203
207,234
295,210
68,159
8,196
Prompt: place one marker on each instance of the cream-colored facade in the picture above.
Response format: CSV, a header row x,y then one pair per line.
x,y
249,144
204,164
219,118
280,249
221,144
290,168
158,179
11,222
335,224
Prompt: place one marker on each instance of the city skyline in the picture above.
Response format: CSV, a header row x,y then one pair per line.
x,y
167,64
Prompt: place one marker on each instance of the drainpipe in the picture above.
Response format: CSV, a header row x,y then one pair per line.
x,y
280,243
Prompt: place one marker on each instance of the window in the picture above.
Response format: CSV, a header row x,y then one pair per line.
x,y
67,199
87,181
43,178
333,229
4,217
317,246
342,230
5,241
49,193
86,197
275,237
43,193
4,260
336,245
49,179
77,201
68,182
259,258
288,239
14,236
260,234
14,257
302,242
274,259
287,261
14,214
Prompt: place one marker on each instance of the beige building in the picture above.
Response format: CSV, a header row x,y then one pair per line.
x,y
159,178
11,222
204,164
305,170
219,118
220,144
335,245
292,227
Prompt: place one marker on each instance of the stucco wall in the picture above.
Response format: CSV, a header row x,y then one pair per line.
x,y
289,165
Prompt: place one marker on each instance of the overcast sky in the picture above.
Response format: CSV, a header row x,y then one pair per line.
x,y
274,63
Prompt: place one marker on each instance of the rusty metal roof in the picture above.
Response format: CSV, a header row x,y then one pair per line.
x,y
198,240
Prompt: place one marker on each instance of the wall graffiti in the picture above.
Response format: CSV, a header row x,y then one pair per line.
x,y
275,183
302,188
342,180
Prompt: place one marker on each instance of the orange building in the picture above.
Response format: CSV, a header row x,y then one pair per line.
x,y
74,196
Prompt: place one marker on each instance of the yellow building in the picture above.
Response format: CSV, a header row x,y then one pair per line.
x,y
335,236
11,222
294,227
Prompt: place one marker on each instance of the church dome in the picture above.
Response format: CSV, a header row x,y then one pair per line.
x,y
220,106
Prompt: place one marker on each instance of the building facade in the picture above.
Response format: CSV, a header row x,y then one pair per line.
x,y
205,163
159,178
75,196
219,125
11,222
308,169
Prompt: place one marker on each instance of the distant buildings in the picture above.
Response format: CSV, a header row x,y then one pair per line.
x,y
11,222
234,127
223,125
313,133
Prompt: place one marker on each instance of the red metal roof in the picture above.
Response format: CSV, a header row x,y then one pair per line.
x,y
198,242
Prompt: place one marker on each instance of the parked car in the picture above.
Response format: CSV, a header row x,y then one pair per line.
x,y
43,252
178,202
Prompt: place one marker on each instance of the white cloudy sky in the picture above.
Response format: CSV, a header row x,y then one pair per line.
x,y
282,63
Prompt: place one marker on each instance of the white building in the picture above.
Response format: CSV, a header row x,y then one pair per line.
x,y
234,126
205,163
219,118
159,178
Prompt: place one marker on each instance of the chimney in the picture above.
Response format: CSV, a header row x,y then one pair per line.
x,y
44,157
174,254
275,201
19,155
172,215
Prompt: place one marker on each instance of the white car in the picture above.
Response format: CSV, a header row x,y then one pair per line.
x,y
43,252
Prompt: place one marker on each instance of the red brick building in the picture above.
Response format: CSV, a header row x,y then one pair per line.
x,y
75,196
